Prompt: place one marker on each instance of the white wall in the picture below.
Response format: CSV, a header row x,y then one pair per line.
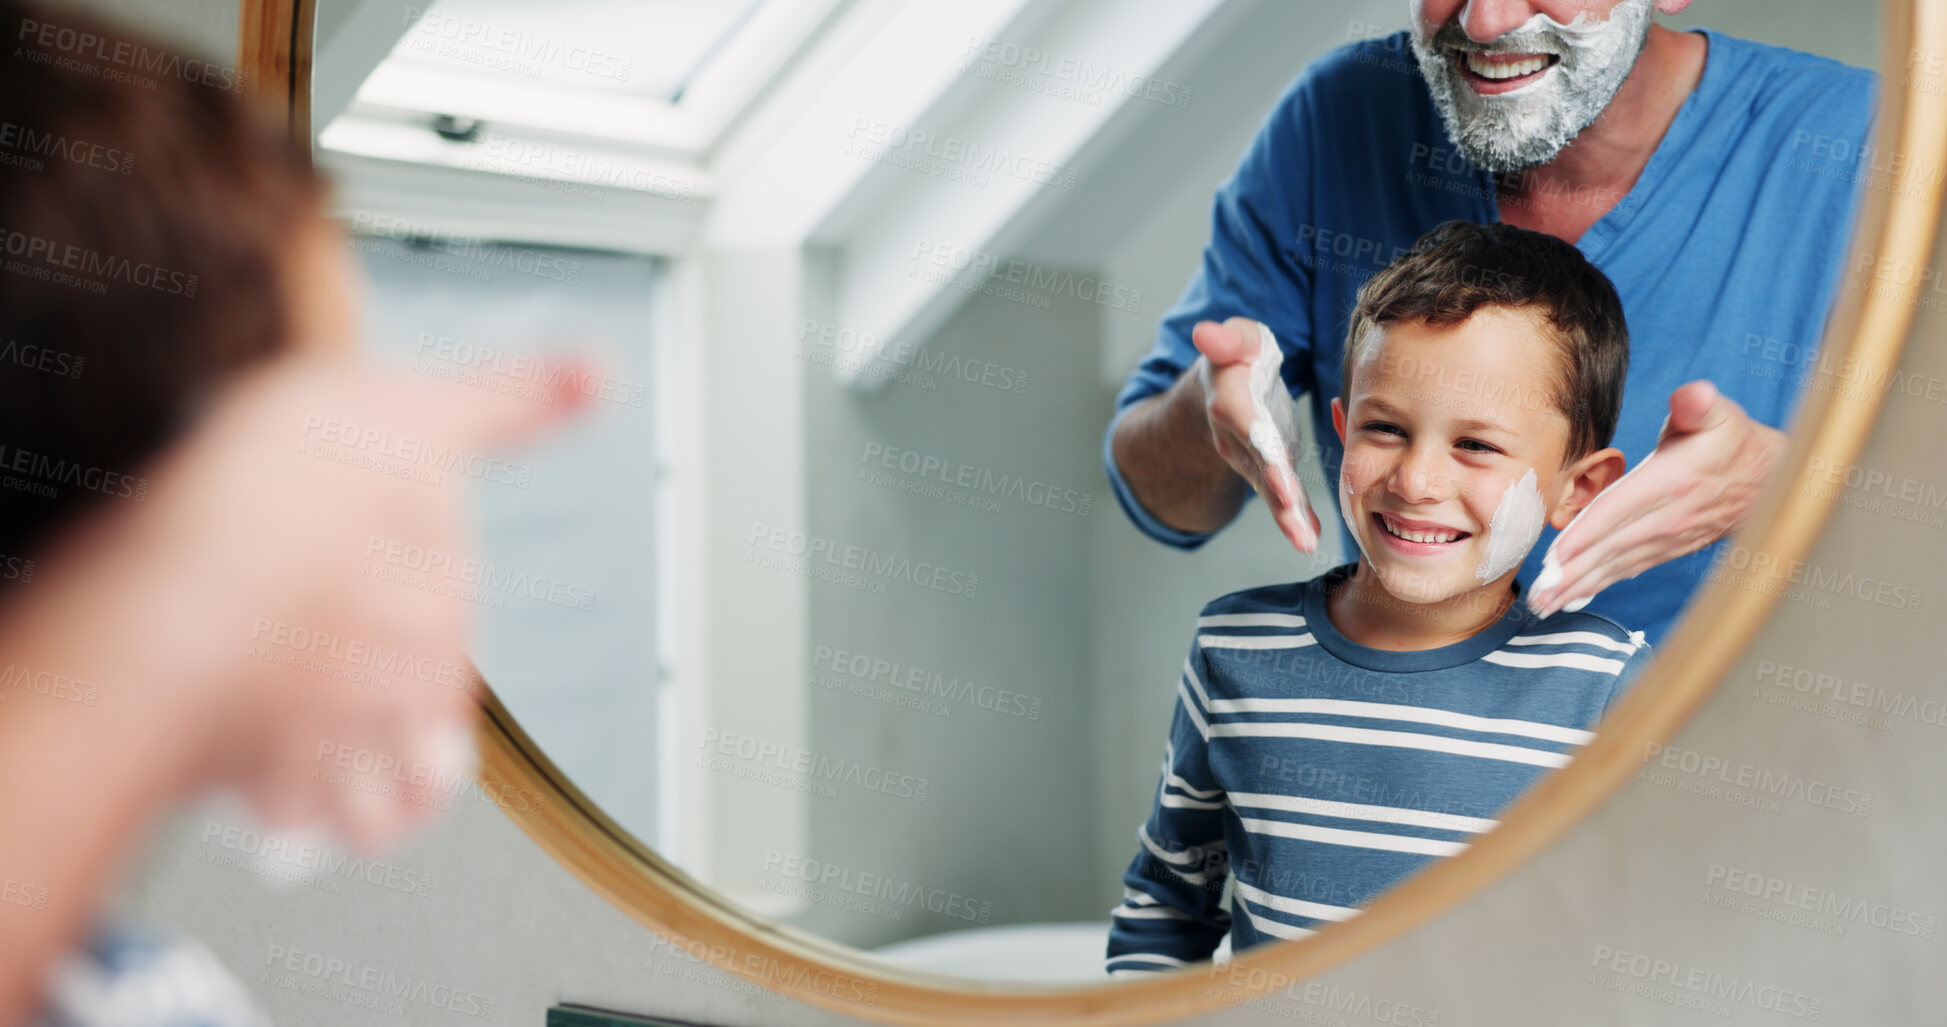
x,y
1007,792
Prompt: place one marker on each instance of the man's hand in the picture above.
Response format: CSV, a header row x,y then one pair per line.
x,y
1697,486
1223,372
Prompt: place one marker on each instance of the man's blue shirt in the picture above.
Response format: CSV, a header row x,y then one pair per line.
x,y
1727,252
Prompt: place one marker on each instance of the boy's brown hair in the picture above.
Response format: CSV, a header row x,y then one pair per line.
x,y
1461,266
146,222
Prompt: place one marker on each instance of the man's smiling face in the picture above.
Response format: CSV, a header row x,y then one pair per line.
x,y
1517,80
1448,427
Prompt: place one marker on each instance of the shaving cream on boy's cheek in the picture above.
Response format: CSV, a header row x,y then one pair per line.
x,y
1345,510
1517,523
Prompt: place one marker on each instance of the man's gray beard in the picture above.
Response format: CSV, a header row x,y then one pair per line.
x,y
1517,131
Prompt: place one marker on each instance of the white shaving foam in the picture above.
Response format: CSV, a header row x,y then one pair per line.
x,y
1528,126
1345,510
1276,421
1583,31
1512,533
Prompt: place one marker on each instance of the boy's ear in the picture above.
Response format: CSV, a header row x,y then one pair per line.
x,y
1583,481
1338,419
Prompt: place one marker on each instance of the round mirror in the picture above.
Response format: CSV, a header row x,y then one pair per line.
x,y
840,636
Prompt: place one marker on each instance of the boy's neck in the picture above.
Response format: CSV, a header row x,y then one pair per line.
x,y
1363,611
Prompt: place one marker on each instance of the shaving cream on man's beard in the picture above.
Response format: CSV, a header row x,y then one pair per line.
x,y
1529,126
1512,533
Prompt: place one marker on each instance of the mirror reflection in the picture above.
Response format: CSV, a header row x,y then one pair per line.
x,y
984,552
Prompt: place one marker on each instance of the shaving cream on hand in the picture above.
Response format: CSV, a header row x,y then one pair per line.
x,y
1271,435
1276,423
1585,30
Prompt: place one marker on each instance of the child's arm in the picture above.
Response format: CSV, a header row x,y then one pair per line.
x,y
1169,916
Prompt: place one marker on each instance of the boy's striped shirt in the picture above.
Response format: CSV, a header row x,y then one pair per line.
x,y
1316,773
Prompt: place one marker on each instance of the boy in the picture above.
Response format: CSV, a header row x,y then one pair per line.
x,y
1332,737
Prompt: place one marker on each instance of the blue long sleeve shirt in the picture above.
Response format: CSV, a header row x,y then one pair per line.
x,y
1316,772
1727,252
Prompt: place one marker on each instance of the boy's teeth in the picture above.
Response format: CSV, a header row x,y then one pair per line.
x,y
1513,69
1419,536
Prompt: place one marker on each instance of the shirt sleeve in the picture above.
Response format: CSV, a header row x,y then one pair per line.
x,y
1249,269
1632,668
1170,914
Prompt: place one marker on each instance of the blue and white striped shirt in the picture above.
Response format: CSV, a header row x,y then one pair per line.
x,y
1316,772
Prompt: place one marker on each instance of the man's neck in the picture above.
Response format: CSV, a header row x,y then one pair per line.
x,y
1363,611
1592,174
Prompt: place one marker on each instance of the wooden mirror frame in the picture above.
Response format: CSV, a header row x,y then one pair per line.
x,y
274,47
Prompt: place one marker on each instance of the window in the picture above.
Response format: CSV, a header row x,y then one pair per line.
x,y
571,610
648,48
669,76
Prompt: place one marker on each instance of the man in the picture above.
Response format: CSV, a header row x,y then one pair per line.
x,y
1690,167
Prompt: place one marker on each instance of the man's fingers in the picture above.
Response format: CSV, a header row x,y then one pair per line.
x,y
1229,406
1238,452
1220,342
1619,555
1575,594
1293,512
1694,407
1253,473
1286,499
1296,525
1281,485
1635,494
1278,486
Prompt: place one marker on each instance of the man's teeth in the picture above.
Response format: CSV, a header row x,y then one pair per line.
x,y
1506,69
1419,536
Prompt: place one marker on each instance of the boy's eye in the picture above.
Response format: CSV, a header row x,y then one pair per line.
x,y
1470,445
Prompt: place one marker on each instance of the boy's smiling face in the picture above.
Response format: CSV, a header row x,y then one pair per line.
x,y
1446,425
